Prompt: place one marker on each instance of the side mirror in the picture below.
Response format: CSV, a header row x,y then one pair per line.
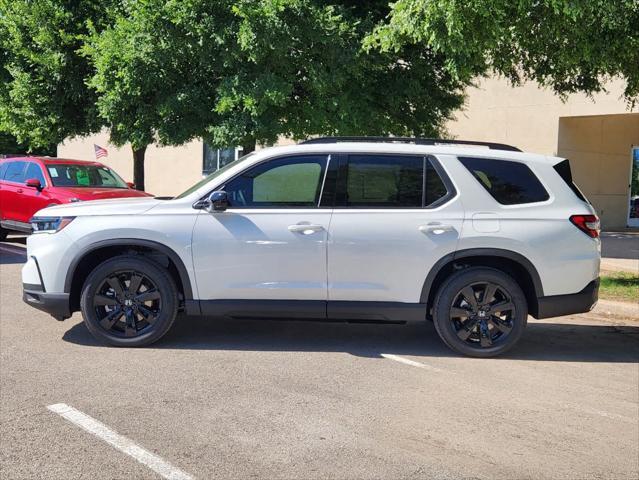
x,y
216,202
130,184
34,183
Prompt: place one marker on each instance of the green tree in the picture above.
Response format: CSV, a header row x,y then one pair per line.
x,y
569,45
9,145
43,93
245,72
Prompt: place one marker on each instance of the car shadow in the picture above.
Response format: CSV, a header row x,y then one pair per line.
x,y
541,341
13,250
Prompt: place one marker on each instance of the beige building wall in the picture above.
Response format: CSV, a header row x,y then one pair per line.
x,y
168,170
601,148
527,116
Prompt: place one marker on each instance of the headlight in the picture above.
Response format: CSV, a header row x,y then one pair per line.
x,y
49,224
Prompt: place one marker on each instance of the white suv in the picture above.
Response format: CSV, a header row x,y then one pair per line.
x,y
356,229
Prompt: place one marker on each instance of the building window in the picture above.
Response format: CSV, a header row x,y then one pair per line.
x,y
216,158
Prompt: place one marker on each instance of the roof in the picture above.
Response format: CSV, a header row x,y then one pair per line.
x,y
55,160
404,148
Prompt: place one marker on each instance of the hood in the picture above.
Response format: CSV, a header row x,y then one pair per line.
x,y
119,206
97,193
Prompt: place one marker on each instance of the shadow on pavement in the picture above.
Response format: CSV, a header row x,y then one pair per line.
x,y
13,251
541,341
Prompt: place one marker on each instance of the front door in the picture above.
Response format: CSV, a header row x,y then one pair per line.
x,y
31,198
269,245
394,217
633,211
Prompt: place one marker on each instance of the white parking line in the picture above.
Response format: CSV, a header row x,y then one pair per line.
x,y
397,358
100,430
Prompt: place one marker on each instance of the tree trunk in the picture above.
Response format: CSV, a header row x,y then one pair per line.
x,y
248,146
138,168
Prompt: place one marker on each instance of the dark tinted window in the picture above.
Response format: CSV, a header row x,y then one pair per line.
x,y
384,181
435,188
290,182
15,172
34,171
509,183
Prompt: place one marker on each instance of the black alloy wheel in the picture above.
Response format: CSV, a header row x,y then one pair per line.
x,y
129,301
482,314
480,311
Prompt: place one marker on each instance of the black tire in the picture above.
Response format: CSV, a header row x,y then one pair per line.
x,y
459,320
3,233
143,292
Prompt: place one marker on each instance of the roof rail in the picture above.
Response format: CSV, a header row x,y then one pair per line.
x,y
416,141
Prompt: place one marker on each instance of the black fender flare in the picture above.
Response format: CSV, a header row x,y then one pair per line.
x,y
133,242
481,252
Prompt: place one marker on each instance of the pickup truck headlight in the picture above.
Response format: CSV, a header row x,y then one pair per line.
x,y
49,224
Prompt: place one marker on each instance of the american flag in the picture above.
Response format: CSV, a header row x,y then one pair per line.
x,y
100,151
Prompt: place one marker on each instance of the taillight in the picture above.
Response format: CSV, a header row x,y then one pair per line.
x,y
589,224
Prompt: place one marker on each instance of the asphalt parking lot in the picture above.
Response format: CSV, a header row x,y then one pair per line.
x,y
251,399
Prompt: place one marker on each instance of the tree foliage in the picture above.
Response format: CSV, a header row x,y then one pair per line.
x,y
569,45
43,93
241,72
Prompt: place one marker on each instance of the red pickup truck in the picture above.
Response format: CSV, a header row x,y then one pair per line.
x,y
28,184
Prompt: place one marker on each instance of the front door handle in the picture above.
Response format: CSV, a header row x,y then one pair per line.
x,y
305,229
436,228
19,190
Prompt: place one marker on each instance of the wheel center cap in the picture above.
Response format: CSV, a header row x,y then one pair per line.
x,y
128,302
481,314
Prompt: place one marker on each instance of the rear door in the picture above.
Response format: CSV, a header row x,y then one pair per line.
x,y
395,216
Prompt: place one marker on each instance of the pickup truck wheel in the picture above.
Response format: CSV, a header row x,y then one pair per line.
x,y
480,312
129,301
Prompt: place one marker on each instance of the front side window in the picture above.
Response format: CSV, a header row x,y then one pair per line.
x,y
510,183
384,181
67,175
34,171
289,182
15,172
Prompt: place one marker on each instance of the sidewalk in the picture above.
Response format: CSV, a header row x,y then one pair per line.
x,y
612,265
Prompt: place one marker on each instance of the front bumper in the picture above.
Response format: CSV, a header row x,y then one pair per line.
x,y
55,304
559,305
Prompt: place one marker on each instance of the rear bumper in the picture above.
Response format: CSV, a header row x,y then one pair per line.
x,y
559,305
55,304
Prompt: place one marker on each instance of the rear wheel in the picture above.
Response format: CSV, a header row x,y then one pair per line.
x,y
480,312
129,301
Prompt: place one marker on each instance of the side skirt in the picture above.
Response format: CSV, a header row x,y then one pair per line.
x,y
349,311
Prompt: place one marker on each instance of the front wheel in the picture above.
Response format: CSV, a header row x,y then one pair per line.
x,y
129,301
480,312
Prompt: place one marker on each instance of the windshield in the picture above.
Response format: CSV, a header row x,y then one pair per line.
x,y
72,175
213,175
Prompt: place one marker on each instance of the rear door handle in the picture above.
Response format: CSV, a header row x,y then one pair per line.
x,y
305,229
436,228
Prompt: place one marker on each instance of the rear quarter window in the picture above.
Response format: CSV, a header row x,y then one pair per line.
x,y
510,183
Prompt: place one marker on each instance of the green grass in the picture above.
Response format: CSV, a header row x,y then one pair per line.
x,y
620,286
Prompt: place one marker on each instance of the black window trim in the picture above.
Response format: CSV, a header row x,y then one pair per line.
x,y
340,197
24,170
331,164
539,178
